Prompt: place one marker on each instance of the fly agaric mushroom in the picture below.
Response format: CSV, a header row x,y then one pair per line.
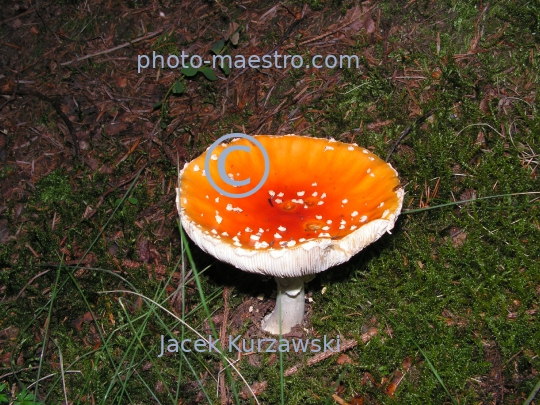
x,y
322,203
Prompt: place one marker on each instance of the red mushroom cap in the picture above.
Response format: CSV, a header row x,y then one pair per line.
x,y
323,202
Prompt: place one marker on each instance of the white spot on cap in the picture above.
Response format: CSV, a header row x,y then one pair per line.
x,y
291,243
277,236
318,216
280,194
299,201
236,239
380,205
224,234
237,209
214,231
302,240
282,228
300,193
254,237
217,199
353,227
355,213
323,234
229,207
325,228
185,200
231,176
314,184
207,197
328,148
371,158
261,230
214,157
323,195
204,173
218,219
278,201
329,221
237,244
320,203
315,194
351,148
372,175
196,168
342,227
363,218
365,151
368,170
345,201
248,229
272,193
305,206
343,222
385,213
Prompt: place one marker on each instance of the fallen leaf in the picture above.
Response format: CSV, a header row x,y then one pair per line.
x,y
366,337
114,128
342,359
406,363
394,384
121,82
357,400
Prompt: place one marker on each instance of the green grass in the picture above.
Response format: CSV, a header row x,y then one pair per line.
x,y
456,288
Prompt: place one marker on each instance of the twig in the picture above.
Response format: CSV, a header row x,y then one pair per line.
x,y
408,129
17,371
55,102
150,35
339,400
30,282
307,41
279,43
345,345
53,374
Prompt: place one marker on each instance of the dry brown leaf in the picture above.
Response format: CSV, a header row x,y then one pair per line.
x,y
366,337
357,400
114,128
271,13
394,383
121,82
407,363
484,106
342,359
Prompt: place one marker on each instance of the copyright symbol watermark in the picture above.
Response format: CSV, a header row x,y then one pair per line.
x,y
221,165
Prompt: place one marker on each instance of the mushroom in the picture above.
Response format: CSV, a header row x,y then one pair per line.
x,y
323,201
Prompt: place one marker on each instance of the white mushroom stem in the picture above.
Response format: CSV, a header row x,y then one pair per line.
x,y
290,303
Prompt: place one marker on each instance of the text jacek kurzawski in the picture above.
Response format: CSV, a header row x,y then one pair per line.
x,y
237,344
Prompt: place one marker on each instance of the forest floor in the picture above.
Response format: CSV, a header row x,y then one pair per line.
x,y
92,270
